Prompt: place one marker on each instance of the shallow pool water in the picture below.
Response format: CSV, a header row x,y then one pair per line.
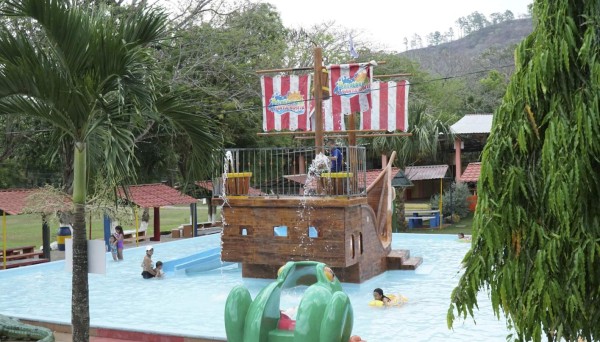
x,y
193,305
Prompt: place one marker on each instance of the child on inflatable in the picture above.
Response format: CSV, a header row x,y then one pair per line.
x,y
379,299
379,296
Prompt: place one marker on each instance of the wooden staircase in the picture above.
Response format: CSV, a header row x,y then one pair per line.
x,y
400,259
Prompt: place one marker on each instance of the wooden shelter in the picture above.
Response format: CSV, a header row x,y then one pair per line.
x,y
14,202
156,196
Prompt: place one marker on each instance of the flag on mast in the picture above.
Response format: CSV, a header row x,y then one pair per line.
x,y
389,109
285,100
350,87
353,52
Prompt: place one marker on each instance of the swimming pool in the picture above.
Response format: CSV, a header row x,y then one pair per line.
x,y
193,305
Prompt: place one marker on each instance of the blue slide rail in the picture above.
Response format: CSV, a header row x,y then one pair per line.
x,y
199,262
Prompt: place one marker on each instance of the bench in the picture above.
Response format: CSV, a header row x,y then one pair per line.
x,y
21,256
24,256
17,250
418,216
130,237
203,228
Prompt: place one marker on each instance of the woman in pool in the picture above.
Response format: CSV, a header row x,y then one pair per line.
x,y
147,270
378,295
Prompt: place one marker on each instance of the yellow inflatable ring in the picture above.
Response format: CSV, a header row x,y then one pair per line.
x,y
394,301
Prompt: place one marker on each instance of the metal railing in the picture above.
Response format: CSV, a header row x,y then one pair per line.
x,y
285,171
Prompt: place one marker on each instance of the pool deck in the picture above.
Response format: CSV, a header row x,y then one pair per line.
x,y
62,334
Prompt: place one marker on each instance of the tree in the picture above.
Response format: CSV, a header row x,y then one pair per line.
x,y
535,233
92,79
449,35
508,15
497,18
477,21
435,38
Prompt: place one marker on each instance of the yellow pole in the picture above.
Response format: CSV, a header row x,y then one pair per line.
x,y
4,239
441,195
137,227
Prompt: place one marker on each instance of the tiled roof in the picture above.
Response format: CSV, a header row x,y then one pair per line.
x,y
208,185
473,123
156,195
13,201
415,173
471,173
371,176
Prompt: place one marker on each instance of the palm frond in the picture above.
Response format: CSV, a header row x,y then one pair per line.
x,y
199,130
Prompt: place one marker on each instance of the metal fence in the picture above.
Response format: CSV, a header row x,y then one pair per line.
x,y
290,172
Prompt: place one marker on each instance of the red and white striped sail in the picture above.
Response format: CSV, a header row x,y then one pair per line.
x,y
350,87
332,121
389,107
285,102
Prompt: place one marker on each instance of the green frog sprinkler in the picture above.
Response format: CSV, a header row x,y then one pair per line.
x,y
324,313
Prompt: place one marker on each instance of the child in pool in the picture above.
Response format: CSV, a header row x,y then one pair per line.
x,y
378,295
158,269
112,242
462,236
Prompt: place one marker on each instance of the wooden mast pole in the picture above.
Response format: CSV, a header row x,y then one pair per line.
x,y
318,96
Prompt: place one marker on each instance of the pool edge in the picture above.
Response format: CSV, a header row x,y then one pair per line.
x,y
129,335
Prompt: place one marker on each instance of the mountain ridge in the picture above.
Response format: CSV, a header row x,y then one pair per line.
x,y
491,47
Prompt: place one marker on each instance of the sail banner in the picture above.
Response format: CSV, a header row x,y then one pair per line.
x,y
350,87
332,121
389,108
285,102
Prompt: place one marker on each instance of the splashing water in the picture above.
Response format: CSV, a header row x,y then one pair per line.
x,y
320,164
223,195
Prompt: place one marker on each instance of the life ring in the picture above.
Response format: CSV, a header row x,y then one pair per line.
x,y
394,301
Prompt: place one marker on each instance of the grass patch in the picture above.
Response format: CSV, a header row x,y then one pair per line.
x,y
26,230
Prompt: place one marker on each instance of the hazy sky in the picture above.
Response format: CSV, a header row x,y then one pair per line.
x,y
387,22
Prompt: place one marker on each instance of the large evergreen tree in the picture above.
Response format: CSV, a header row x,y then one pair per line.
x,y
536,233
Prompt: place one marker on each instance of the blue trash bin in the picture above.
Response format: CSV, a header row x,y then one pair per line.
x,y
63,233
435,222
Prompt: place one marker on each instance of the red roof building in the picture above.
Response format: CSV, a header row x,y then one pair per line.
x,y
155,195
12,201
471,173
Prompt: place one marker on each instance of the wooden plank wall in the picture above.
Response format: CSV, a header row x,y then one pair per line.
x,y
347,239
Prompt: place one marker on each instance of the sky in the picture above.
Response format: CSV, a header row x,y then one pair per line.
x,y
387,22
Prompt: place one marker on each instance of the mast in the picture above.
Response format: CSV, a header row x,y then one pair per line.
x,y
318,96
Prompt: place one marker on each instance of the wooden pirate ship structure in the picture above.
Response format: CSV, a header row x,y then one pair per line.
x,y
287,204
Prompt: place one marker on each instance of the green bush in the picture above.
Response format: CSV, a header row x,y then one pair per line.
x,y
454,200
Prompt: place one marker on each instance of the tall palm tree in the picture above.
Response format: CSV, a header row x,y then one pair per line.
x,y
91,78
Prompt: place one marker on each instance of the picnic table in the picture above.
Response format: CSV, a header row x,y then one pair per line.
x,y
21,256
415,218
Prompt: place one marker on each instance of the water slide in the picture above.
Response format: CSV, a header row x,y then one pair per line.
x,y
199,262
